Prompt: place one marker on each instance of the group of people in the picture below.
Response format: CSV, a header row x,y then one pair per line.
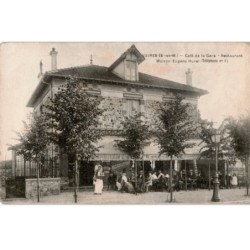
x,y
158,181
122,183
152,181
130,183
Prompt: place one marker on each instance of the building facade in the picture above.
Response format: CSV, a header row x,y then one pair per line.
x,y
125,90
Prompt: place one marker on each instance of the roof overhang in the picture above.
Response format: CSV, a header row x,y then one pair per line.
x,y
42,85
135,83
46,79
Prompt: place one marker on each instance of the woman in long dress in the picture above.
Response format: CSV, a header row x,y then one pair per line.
x,y
234,181
98,180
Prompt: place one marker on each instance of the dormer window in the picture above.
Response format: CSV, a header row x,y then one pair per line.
x,y
130,70
126,66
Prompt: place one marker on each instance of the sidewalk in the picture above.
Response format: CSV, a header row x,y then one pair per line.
x,y
230,196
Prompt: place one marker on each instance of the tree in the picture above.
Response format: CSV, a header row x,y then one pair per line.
x,y
174,130
136,134
207,151
206,132
239,131
34,142
75,122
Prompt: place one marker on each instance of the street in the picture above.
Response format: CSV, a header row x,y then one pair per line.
x,y
228,196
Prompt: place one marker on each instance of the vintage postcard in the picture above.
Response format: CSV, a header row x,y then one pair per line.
x,y
124,123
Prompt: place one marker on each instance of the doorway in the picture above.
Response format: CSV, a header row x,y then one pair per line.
x,y
86,173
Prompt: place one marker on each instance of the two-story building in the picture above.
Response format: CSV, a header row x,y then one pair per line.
x,y
125,90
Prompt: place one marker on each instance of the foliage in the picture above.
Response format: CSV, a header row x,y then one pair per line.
x,y
207,130
175,127
135,134
74,116
239,131
225,151
34,141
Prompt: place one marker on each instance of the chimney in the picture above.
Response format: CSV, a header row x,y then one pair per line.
x,y
41,69
189,77
53,54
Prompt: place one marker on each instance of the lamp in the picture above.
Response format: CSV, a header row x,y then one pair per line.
x,y
216,140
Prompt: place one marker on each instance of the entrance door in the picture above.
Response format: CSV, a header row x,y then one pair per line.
x,y
86,173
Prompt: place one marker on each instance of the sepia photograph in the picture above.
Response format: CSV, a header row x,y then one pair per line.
x,y
124,125
120,123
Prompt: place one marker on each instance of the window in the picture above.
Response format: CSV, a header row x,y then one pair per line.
x,y
133,107
130,70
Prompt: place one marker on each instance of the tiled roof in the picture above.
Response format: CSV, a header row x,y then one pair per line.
x,y
89,71
103,74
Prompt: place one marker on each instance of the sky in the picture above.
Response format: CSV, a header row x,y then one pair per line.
x,y
227,82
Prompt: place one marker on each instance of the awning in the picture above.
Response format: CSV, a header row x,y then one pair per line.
x,y
109,152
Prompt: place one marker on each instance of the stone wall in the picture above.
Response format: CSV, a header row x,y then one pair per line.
x,y
113,114
115,110
48,186
151,113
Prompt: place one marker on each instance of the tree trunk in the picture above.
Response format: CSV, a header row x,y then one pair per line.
x,y
52,162
24,168
225,173
228,180
75,181
171,178
38,184
135,164
247,176
15,165
30,168
209,175
186,175
143,177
